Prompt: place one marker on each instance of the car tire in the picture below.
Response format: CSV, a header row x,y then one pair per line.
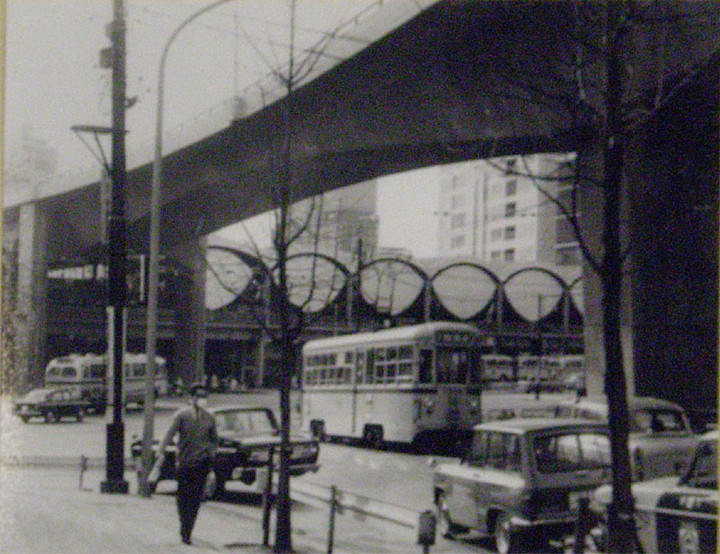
x,y
373,437
80,415
447,528
506,536
49,416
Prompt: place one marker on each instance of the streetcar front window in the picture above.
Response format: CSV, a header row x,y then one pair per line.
x,y
452,366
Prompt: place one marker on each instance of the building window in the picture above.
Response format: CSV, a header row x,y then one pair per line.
x,y
496,234
511,188
568,255
509,255
458,200
510,232
510,209
457,241
457,221
495,255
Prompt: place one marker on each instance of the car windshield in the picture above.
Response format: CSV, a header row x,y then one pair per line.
x,y
657,420
37,395
245,422
571,451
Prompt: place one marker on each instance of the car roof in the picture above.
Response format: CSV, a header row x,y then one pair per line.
x,y
532,424
600,404
216,409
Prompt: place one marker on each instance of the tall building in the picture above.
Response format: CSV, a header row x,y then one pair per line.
x,y
340,223
496,211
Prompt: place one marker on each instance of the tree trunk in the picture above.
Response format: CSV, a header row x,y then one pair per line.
x,y
620,515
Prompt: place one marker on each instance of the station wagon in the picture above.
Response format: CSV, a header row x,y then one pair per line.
x,y
522,479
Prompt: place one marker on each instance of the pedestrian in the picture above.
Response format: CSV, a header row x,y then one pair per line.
x,y
196,449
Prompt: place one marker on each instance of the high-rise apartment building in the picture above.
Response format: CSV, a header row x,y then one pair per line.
x,y
496,211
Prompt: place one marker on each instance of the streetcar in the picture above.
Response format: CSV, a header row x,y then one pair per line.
x,y
418,385
88,374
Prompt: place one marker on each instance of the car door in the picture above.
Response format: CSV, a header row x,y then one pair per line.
x,y
466,479
501,480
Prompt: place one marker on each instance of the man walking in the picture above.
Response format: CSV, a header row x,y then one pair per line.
x,y
196,449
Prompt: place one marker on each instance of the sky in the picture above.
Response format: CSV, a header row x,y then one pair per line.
x,y
53,80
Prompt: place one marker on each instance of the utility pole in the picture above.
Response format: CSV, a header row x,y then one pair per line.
x,y
115,445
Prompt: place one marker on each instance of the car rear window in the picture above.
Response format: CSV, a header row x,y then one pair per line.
x,y
571,451
661,420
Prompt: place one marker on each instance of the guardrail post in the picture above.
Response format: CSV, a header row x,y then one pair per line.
x,y
83,469
581,526
267,498
426,530
331,523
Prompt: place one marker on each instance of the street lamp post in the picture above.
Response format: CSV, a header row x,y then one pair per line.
x,y
115,445
151,338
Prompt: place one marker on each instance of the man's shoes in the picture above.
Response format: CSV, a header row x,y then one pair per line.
x,y
186,540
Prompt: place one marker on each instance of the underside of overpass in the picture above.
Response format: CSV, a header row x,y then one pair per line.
x,y
469,80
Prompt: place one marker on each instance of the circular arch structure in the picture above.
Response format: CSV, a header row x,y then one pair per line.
x,y
534,298
391,291
315,280
461,290
462,296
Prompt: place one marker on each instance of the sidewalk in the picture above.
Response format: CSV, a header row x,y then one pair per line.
x,y
43,510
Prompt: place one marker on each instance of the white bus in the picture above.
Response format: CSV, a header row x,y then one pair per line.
x,y
418,385
88,373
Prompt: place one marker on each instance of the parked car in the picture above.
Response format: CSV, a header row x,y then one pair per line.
x,y
522,480
661,441
674,514
246,436
51,404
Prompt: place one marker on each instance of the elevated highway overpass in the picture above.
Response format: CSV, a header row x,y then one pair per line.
x,y
467,80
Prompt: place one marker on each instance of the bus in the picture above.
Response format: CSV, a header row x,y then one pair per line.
x,y
88,373
498,368
419,385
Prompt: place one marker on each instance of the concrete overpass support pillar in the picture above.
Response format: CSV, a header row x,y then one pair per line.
x,y
590,166
190,312
32,292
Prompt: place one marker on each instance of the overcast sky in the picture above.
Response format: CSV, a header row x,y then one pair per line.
x,y
53,81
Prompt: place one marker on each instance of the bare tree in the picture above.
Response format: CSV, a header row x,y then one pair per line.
x,y
609,78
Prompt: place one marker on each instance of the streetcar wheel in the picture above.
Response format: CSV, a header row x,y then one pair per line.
x,y
317,428
506,537
373,436
49,416
25,418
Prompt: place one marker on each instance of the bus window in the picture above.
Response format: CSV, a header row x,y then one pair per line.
x,y
69,372
348,357
405,369
390,373
392,353
425,367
